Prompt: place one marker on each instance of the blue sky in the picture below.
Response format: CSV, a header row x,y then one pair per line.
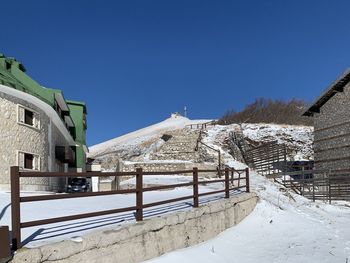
x,y
135,62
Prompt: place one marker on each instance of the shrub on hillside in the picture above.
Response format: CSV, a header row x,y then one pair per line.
x,y
269,111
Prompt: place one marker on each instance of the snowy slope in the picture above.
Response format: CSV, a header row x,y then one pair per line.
x,y
298,138
284,227
142,135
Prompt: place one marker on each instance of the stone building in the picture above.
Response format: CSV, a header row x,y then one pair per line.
x,y
39,129
331,113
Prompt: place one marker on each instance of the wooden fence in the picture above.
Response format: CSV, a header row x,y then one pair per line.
x,y
201,126
319,184
268,158
231,176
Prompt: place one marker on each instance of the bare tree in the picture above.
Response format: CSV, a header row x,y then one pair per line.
x,y
264,110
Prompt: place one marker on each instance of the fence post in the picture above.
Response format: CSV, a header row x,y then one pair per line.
x,y
232,176
313,189
15,208
227,183
329,189
139,194
239,179
219,163
247,180
5,251
195,187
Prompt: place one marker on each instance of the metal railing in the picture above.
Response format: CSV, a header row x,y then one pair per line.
x,y
17,199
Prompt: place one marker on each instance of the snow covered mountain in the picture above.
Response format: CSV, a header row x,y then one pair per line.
x,y
148,144
137,138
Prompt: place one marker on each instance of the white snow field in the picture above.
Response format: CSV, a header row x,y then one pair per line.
x,y
39,235
284,227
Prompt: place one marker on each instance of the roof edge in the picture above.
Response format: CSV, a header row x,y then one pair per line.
x,y
336,86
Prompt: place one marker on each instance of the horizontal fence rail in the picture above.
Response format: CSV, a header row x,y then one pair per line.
x,y
233,180
325,185
267,158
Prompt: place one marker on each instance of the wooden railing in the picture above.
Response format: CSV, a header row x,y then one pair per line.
x,y
267,158
16,199
325,185
201,126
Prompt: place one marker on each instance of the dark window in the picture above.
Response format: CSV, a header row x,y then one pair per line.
x,y
28,161
28,117
8,65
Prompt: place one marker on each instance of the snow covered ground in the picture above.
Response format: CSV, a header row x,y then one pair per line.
x,y
39,235
136,138
299,138
284,227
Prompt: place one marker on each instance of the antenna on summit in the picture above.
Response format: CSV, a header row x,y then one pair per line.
x,y
185,111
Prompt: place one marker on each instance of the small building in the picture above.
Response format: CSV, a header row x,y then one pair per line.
x,y
39,129
331,113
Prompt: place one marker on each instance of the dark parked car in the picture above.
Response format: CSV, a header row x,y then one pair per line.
x,y
77,185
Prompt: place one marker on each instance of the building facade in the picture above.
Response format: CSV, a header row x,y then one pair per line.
x,y
331,113
39,129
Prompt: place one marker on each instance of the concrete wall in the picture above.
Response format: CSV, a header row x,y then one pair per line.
x,y
168,166
335,111
147,239
18,137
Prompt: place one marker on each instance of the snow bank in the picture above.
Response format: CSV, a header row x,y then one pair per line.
x,y
299,138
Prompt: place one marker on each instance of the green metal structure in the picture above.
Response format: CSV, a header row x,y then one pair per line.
x,y
78,113
13,74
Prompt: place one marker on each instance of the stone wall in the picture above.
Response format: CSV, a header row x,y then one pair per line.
x,y
18,137
148,239
335,111
168,166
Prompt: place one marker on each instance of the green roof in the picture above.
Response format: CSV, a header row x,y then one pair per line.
x,y
78,103
13,74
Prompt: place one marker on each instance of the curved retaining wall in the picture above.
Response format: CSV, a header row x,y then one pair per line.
x,y
149,238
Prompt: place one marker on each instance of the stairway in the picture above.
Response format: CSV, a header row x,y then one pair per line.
x,y
180,146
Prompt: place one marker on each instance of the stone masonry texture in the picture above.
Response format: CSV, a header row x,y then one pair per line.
x,y
17,137
336,111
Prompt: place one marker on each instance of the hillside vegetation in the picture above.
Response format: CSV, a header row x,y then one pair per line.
x,y
264,110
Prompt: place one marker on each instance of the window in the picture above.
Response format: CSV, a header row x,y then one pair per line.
x,y
28,117
28,161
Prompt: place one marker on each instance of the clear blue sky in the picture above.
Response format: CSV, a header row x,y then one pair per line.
x,y
135,62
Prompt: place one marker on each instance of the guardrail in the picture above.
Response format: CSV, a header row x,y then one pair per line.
x,y
267,158
16,199
201,126
325,185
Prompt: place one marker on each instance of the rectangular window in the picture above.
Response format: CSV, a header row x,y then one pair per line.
x,y
28,161
28,117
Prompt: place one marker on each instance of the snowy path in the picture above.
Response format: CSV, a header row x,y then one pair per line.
x,y
283,228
